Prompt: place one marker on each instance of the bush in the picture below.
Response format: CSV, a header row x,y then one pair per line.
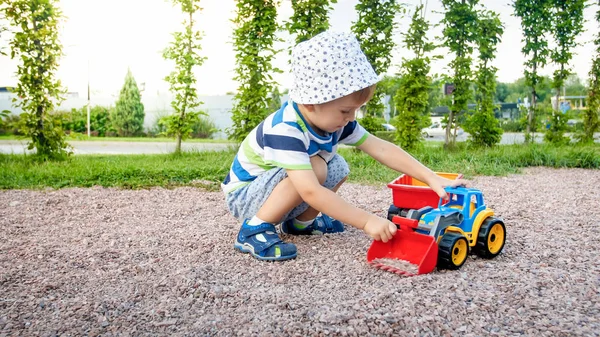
x,y
204,128
76,120
390,136
372,124
11,125
158,129
556,128
512,126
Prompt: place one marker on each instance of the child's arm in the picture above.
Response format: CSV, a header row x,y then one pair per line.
x,y
397,159
326,201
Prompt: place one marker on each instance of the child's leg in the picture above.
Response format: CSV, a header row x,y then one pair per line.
x,y
311,213
285,198
303,219
258,236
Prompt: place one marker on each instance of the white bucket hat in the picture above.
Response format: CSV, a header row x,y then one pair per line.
x,y
329,66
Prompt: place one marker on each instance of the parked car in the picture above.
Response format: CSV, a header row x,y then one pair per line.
x,y
437,130
388,127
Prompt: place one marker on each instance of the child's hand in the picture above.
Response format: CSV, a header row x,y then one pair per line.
x,y
438,183
379,229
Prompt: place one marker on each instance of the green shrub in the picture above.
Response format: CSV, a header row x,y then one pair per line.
x,y
390,136
512,126
557,126
204,128
11,125
76,120
372,124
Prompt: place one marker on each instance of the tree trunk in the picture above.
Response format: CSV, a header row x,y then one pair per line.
x,y
449,125
178,144
531,111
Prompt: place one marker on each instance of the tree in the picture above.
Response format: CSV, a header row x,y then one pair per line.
x,y
389,85
310,18
128,116
591,123
36,45
374,29
2,30
482,126
567,18
183,50
275,100
502,92
460,32
254,37
535,23
412,98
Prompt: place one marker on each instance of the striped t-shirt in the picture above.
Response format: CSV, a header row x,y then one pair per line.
x,y
284,139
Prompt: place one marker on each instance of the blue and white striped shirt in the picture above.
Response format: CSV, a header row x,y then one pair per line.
x,y
284,139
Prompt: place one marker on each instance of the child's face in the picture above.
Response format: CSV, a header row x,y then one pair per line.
x,y
334,115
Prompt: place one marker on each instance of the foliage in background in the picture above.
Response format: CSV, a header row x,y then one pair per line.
x,y
567,18
374,29
36,45
275,100
591,123
3,114
389,85
371,123
2,30
535,23
184,51
556,127
254,35
128,116
482,126
76,120
310,18
437,97
412,98
204,128
460,32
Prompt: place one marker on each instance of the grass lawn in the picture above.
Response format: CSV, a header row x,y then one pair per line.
x,y
207,169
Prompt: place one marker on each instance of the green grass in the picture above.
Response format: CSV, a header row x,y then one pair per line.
x,y
207,169
203,169
498,161
84,138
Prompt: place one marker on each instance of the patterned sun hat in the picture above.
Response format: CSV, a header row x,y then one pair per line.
x,y
329,66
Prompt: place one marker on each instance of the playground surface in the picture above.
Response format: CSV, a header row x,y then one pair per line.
x,y
105,261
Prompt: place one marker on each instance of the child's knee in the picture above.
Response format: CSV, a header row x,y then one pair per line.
x,y
320,168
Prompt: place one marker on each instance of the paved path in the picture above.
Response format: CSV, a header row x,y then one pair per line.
x,y
115,147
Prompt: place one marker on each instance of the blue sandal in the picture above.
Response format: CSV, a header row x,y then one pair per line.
x,y
323,224
263,243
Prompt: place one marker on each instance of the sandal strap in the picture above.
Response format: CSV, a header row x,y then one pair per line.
x,y
260,247
324,222
249,231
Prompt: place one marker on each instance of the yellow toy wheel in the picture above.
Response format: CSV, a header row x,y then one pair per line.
x,y
491,238
453,251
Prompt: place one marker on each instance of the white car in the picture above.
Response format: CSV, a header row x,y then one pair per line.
x,y
437,130
388,127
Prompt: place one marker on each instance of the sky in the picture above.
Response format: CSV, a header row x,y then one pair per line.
x,y
103,38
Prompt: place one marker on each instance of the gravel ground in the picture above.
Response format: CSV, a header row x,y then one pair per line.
x,y
110,262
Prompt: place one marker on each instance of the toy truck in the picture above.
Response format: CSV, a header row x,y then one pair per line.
x,y
439,235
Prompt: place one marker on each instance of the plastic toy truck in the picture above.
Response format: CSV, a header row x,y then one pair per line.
x,y
441,236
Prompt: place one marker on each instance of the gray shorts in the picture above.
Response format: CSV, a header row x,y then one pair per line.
x,y
245,202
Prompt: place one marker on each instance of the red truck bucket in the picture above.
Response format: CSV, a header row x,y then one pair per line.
x,y
408,253
409,192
